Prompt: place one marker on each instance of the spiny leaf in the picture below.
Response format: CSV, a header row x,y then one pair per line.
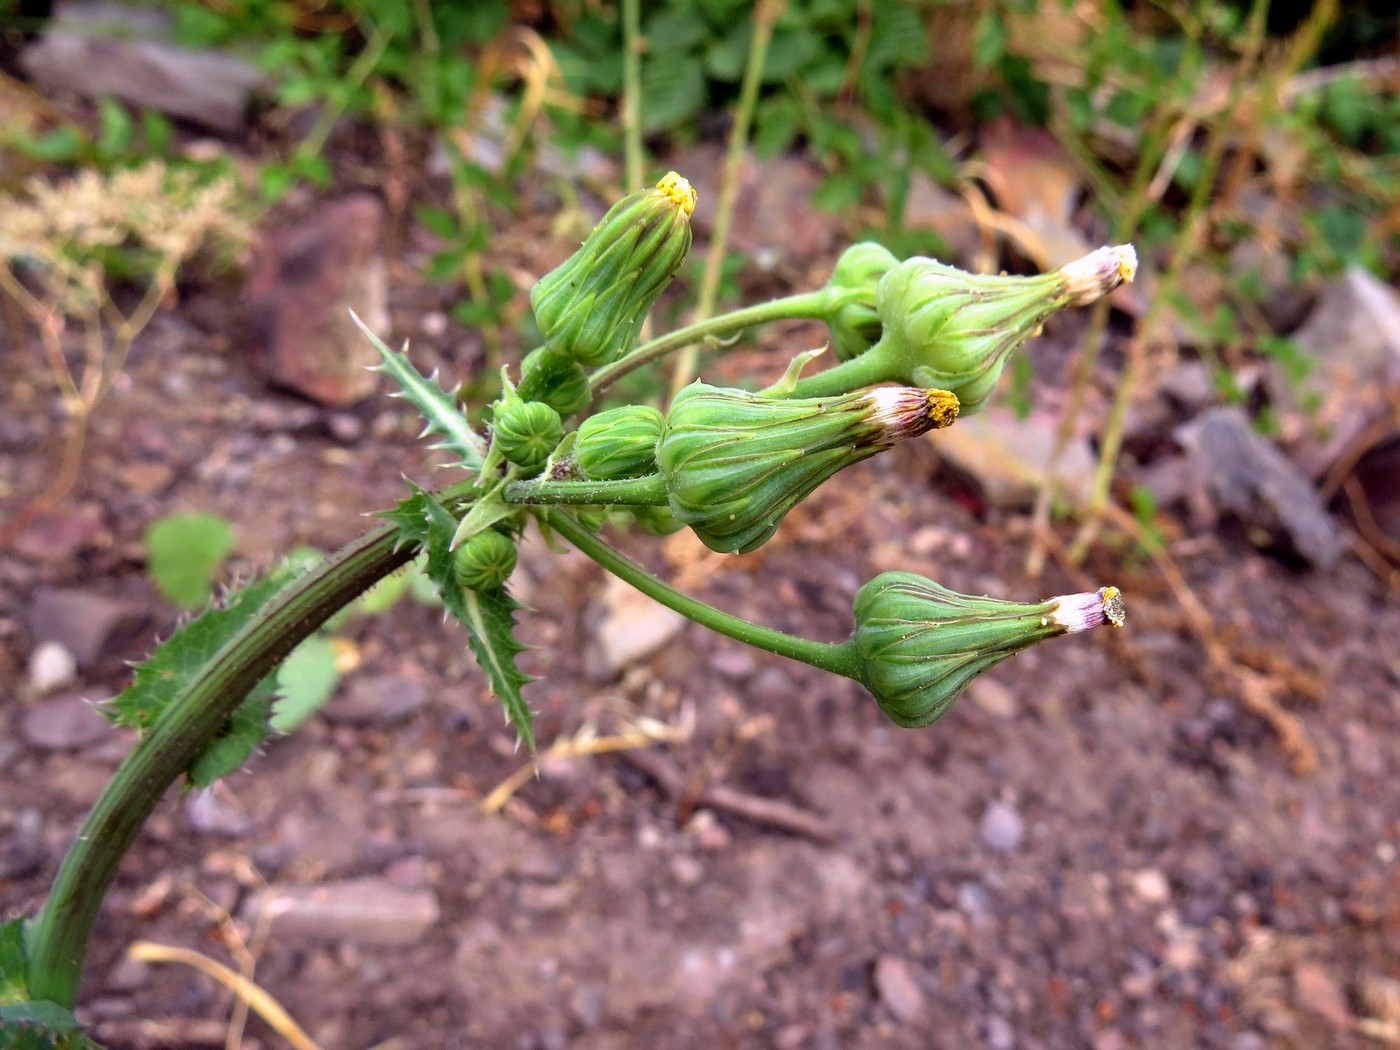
x,y
488,617
410,517
245,730
437,405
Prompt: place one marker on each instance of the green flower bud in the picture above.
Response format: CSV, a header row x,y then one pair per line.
x,y
920,643
619,443
485,561
591,307
558,382
735,463
656,521
854,322
945,328
526,432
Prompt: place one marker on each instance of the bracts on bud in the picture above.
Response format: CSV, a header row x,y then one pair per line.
x,y
591,307
920,644
734,463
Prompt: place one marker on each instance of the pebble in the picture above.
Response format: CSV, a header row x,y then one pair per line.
x,y
898,989
376,700
586,1004
1151,886
708,832
64,723
994,698
1002,827
208,814
1000,1035
1318,992
90,626
687,870
368,911
973,900
51,667
628,627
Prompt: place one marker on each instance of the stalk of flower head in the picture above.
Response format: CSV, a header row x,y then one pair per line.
x,y
920,644
734,463
943,327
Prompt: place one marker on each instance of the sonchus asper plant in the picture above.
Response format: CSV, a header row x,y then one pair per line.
x,y
727,463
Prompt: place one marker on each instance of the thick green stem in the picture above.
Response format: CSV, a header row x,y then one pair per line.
x,y
804,305
646,491
866,370
836,658
58,939
632,90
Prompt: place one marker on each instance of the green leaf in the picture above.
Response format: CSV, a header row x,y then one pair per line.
x,y
438,407
672,92
40,1025
306,680
183,555
489,618
245,729
117,128
14,962
385,594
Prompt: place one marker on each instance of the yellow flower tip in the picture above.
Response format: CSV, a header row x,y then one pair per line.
x,y
1113,609
680,192
1127,262
943,407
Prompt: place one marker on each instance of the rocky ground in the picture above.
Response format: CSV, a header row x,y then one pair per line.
x,y
1116,840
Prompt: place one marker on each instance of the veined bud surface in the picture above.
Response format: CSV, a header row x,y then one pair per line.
x,y
734,463
854,322
485,561
920,644
619,443
527,432
944,327
591,307
558,382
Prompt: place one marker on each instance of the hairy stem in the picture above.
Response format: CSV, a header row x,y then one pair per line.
x,y
836,658
646,491
632,90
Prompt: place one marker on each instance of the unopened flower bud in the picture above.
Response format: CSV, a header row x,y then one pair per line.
x,y
734,463
526,432
558,382
591,307
619,443
946,328
485,561
920,643
853,320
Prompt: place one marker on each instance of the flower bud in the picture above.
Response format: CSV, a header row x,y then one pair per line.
x,y
941,327
619,443
656,521
920,643
854,323
591,307
526,432
734,463
485,561
558,382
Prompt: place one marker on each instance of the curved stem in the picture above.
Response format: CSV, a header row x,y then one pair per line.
x,y
866,370
837,658
803,305
646,491
58,939
632,44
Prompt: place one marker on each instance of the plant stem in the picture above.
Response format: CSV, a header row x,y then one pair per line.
x,y
58,939
765,15
803,305
632,91
836,658
646,491
866,370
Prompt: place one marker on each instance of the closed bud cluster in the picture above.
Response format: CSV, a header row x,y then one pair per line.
x,y
734,463
527,432
591,307
558,382
619,443
920,644
853,320
947,328
485,561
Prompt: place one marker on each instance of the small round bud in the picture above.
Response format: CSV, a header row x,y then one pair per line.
x,y
920,644
656,521
591,307
558,382
485,561
619,443
734,463
527,432
854,322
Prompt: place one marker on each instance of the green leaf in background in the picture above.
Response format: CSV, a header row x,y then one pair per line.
x,y
672,92
183,555
306,680
245,730
14,962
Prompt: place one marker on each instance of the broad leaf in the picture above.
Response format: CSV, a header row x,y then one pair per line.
x,y
245,730
183,555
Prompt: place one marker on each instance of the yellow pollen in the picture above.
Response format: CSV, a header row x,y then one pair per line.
x,y
943,407
1127,263
679,190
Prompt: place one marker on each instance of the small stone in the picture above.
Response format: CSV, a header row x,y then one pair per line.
x,y
128,975
586,1004
1002,827
208,814
1151,886
305,282
628,627
376,700
59,535
51,667
542,897
898,989
1381,997
1000,1034
1317,992
708,832
1251,480
973,900
363,911
345,427
687,870
994,698
64,723
92,627
1007,457
22,851
735,662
